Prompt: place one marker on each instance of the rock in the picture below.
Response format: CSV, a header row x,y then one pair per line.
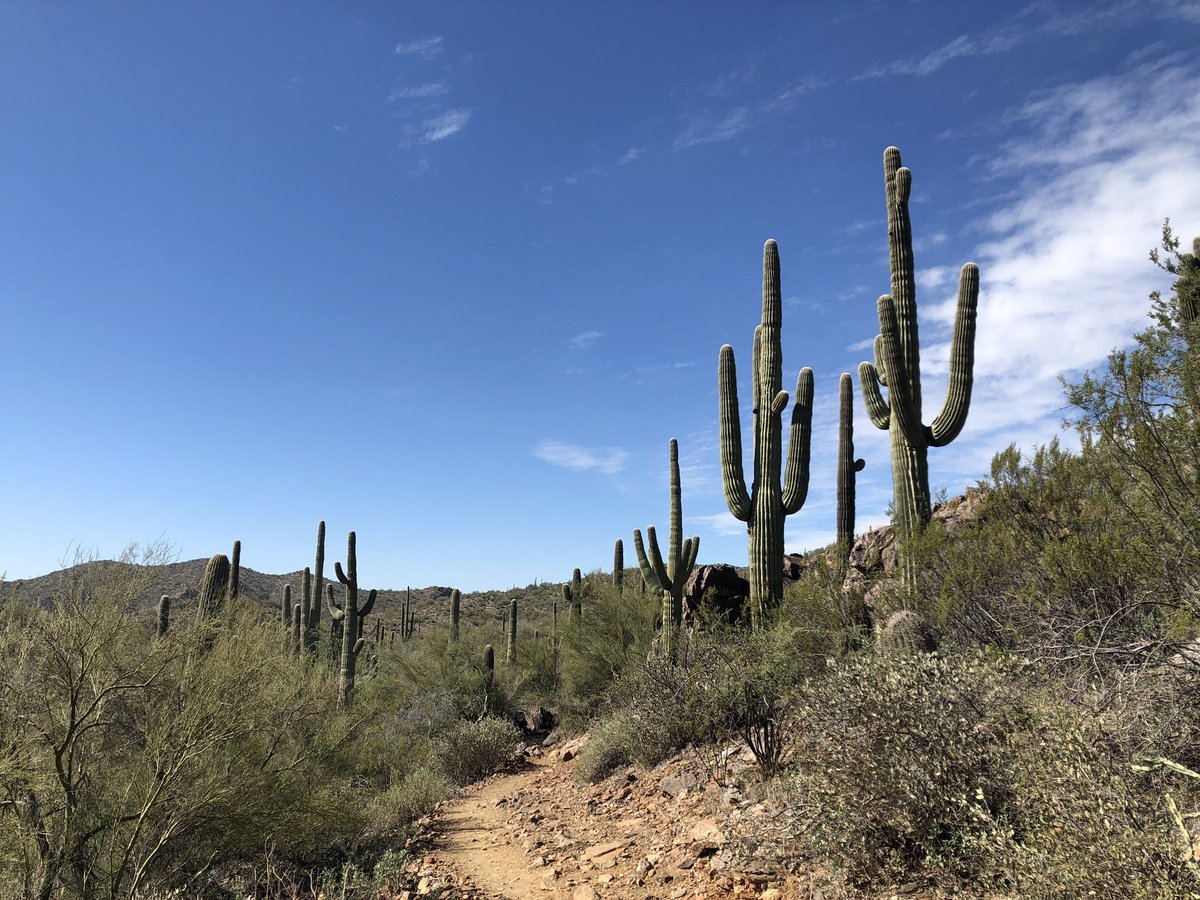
x,y
771,894
706,834
907,631
584,892
678,785
599,851
794,566
542,720
719,588
874,552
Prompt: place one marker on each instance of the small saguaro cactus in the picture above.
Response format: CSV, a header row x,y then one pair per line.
x,y
351,616
898,366
769,500
489,676
297,636
681,557
618,575
286,605
235,569
510,655
213,586
455,609
163,620
308,636
847,467
573,595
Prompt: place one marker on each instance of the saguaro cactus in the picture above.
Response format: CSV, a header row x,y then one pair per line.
x,y
510,655
297,633
573,595
235,569
619,566
351,615
681,557
308,636
489,676
213,586
163,620
898,365
769,501
455,605
314,619
847,467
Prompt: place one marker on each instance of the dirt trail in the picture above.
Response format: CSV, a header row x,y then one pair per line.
x,y
541,834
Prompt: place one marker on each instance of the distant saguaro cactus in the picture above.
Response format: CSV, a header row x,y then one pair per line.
x,y
308,637
297,634
337,631
898,366
351,615
769,501
213,586
489,676
618,575
573,595
681,557
847,467
235,569
455,605
510,655
163,619
289,639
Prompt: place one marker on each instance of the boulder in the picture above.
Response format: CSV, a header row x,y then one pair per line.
x,y
718,587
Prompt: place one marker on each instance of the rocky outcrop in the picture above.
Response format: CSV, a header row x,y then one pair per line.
x,y
719,588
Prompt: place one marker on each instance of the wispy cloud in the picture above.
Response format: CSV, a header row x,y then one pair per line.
x,y
440,127
708,125
426,48
585,339
606,460
722,523
992,41
417,92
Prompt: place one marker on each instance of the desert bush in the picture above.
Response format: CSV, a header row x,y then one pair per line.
x,y
978,771
469,751
609,748
615,635
413,796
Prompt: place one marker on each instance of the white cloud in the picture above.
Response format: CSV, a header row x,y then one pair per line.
x,y
995,40
440,127
708,129
1063,263
585,339
630,155
709,126
865,344
426,48
417,92
607,460
722,523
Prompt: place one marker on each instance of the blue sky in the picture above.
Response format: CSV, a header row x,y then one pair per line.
x,y
452,274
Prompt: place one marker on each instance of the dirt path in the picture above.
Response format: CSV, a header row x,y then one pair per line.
x,y
541,834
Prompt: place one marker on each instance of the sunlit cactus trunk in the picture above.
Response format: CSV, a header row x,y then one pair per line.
x,y
671,577
618,576
351,616
898,367
313,621
213,587
235,570
775,492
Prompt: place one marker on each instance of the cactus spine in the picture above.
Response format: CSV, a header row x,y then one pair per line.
x,y
455,608
768,502
847,467
898,366
351,616
510,655
213,586
163,620
619,566
681,557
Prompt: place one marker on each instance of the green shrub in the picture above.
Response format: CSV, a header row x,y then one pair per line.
x,y
469,751
609,748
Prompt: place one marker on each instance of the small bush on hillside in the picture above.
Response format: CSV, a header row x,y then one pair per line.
x,y
469,751
609,748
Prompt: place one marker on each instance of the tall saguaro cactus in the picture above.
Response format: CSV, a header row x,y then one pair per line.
x,y
618,575
573,595
770,499
235,570
351,616
898,365
213,587
318,575
847,467
681,557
